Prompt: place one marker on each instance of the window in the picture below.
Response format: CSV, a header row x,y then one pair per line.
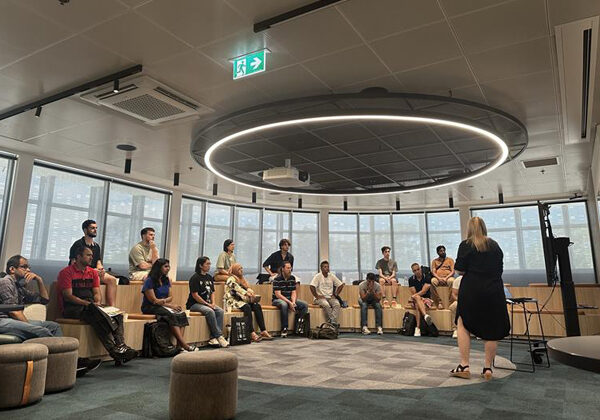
x,y
570,220
129,210
275,226
247,240
58,203
217,230
443,228
410,241
305,245
343,245
6,169
190,237
375,232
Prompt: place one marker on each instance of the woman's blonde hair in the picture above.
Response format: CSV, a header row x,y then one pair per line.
x,y
236,270
477,234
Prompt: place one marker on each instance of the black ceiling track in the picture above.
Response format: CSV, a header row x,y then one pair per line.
x,y
267,23
70,92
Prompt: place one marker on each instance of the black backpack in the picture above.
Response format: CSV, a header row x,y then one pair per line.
x,y
157,341
428,330
409,323
326,331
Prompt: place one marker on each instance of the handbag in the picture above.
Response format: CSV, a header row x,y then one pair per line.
x,y
302,325
239,331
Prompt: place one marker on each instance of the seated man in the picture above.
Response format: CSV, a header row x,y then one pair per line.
x,y
442,269
273,264
143,255
13,291
79,297
284,296
419,284
322,288
370,295
454,304
387,269
90,230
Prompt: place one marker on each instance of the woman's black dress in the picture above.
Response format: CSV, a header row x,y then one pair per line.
x,y
481,300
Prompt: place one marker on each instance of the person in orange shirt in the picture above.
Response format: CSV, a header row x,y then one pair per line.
x,y
442,269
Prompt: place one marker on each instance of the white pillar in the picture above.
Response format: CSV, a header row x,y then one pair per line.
x,y
465,215
592,214
323,235
173,232
17,210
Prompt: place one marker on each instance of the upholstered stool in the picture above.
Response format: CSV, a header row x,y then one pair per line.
x,y
214,375
22,373
62,362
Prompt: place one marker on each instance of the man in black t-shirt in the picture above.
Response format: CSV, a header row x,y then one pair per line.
x,y
420,285
202,299
284,296
273,264
90,230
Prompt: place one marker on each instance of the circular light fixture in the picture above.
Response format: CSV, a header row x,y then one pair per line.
x,y
369,143
365,117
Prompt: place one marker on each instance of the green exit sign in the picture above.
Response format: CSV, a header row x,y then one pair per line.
x,y
249,64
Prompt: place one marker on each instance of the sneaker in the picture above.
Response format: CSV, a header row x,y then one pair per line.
x,y
417,332
365,330
192,348
222,342
454,334
379,331
214,342
284,333
428,319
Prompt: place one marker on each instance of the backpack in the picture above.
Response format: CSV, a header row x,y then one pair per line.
x,y
429,330
157,341
409,323
326,331
239,332
302,325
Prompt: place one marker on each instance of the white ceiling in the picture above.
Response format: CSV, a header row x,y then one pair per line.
x,y
500,53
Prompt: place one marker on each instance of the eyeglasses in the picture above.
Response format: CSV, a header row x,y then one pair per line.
x,y
25,266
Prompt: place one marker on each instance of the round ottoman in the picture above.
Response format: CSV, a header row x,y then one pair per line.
x,y
62,362
22,373
203,385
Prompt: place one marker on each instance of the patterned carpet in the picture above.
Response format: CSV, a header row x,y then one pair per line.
x,y
357,363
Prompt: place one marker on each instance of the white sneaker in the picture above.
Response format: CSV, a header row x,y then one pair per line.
x,y
454,334
366,331
379,331
417,332
213,342
192,348
428,319
221,340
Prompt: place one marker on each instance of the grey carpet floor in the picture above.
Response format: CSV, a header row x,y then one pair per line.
x,y
141,389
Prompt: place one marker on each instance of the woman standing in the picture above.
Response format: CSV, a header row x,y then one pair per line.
x,y
239,295
202,299
225,261
157,301
481,306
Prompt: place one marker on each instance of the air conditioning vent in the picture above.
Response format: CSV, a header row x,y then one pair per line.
x,y
147,100
536,163
576,47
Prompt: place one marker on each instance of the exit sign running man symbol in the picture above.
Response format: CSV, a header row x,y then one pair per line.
x,y
249,64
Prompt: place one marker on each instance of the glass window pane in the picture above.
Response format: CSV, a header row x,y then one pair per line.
x,y
443,229
129,210
6,167
375,232
247,240
305,245
276,226
343,245
410,242
190,229
217,229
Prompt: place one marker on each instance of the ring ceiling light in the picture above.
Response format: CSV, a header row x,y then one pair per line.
x,y
373,142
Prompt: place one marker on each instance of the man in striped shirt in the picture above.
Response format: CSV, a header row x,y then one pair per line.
x,y
284,296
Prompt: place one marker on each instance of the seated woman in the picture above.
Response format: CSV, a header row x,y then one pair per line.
x,y
157,301
202,298
225,261
239,296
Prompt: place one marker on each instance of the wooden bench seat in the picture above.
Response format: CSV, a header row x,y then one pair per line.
x,y
139,315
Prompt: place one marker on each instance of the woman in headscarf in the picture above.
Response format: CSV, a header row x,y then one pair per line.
x,y
239,295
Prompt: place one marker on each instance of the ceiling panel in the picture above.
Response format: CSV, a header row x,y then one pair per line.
x,y
196,22
257,10
457,7
561,11
389,16
136,38
528,88
437,77
509,23
287,83
418,47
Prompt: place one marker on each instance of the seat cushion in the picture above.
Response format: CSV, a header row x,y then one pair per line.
x,y
204,362
57,344
10,353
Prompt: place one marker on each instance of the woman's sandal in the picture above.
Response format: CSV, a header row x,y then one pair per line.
x,y
255,338
487,374
460,372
